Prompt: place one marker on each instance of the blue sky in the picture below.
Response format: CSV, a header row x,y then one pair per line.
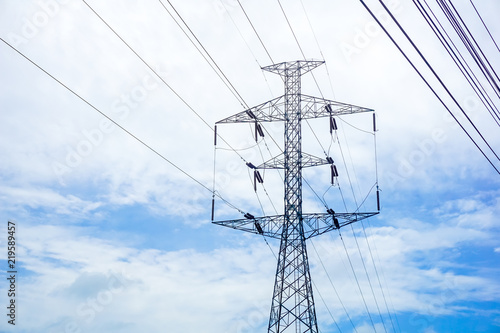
x,y
111,238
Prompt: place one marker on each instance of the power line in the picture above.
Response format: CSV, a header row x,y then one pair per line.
x,y
357,282
230,85
459,60
219,70
224,77
484,24
246,43
378,278
357,209
436,75
368,278
298,44
291,29
120,126
469,42
428,85
333,286
318,88
258,36
319,47
163,80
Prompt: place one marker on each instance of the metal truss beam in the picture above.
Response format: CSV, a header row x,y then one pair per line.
x,y
315,224
312,107
278,162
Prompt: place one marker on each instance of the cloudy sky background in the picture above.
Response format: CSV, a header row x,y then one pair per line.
x,y
112,238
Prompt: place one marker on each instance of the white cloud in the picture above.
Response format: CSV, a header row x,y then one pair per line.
x,y
424,162
96,283
48,200
93,282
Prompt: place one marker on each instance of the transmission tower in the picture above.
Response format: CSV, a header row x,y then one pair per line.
x,y
292,308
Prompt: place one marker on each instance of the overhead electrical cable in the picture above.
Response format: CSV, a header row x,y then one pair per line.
x,y
471,44
458,59
319,47
300,47
258,36
352,228
242,101
485,26
357,209
326,306
216,69
428,85
333,286
225,79
247,45
378,277
368,277
388,290
437,76
238,95
357,282
120,126
162,79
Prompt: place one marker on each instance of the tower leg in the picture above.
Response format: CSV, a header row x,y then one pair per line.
x,y
292,308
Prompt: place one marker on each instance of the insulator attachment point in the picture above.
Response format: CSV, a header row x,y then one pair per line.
x,y
249,216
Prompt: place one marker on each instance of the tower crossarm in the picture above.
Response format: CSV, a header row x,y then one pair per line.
x,y
301,66
312,107
278,162
269,226
272,110
320,223
315,107
314,224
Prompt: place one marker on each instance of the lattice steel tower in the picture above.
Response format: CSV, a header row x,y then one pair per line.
x,y
292,308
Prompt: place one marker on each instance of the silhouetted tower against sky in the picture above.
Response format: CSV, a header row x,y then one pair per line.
x,y
292,308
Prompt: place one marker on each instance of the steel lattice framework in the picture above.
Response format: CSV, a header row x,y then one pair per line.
x,y
292,308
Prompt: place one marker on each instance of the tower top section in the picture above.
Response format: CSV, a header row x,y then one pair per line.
x,y
286,68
